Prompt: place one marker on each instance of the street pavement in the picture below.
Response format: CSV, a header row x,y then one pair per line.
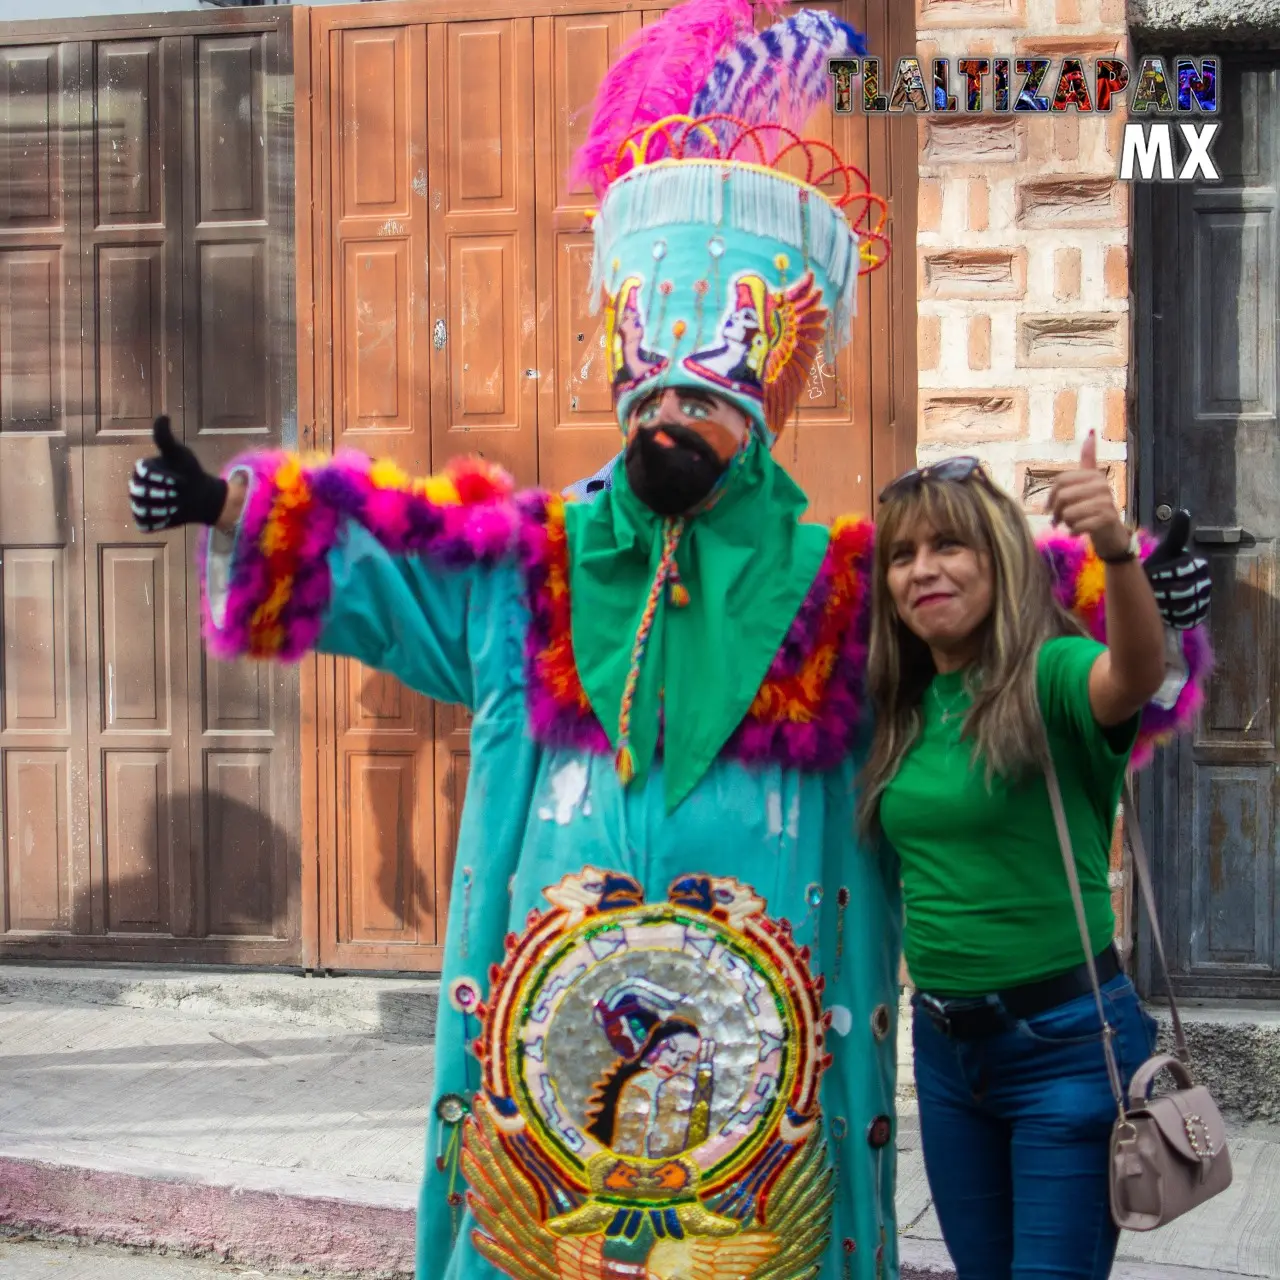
x,y
285,1144
39,1260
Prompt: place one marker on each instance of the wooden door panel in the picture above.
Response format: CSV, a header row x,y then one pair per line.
x,y
453,767
380,241
36,617
137,845
1214,252
246,887
1230,896
377,364
37,706
31,298
375,875
144,268
238,362
44,865
577,429
829,452
39,877
484,382
385,857
1238,714
385,795
139,780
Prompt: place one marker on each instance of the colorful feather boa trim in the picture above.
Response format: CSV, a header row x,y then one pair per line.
x,y
1079,580
808,710
279,585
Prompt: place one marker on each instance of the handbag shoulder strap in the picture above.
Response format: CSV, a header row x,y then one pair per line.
x,y
1143,867
1077,899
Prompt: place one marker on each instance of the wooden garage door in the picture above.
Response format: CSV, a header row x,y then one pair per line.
x,y
451,267
148,794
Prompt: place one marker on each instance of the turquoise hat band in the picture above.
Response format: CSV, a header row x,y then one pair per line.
x,y
724,276
732,196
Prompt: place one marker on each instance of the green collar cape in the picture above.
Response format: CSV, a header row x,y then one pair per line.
x,y
747,563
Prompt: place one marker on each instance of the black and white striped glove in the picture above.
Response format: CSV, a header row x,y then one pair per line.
x,y
1179,578
173,489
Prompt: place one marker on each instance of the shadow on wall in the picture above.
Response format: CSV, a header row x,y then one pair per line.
x,y
401,812
227,874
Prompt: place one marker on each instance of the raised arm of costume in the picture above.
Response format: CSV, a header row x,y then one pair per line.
x,y
352,557
341,555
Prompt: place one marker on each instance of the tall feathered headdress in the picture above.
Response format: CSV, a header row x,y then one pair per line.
x,y
695,130
657,74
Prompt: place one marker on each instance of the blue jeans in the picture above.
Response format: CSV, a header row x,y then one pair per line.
x,y
1016,1131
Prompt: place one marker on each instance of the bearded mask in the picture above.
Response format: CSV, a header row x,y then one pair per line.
x,y
672,468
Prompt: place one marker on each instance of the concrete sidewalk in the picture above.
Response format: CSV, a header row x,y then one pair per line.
x,y
47,1260
277,1122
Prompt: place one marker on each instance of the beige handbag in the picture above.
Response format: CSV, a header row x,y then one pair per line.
x,y
1169,1153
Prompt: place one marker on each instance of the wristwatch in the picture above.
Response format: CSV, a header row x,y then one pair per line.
x,y
1131,552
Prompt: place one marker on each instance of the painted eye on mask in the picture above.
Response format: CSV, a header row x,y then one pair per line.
x,y
695,409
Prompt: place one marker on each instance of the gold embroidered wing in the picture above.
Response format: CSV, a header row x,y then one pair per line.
x,y
798,1213
510,1231
732,1258
797,1230
795,324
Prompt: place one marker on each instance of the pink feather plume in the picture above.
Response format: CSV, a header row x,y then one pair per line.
x,y
658,73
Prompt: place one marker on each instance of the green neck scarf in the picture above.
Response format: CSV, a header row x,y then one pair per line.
x,y
747,563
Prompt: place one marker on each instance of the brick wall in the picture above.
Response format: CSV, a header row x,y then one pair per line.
x,y
1023,255
1023,260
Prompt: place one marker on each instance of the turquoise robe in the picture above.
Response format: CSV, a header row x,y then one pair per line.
x,y
532,814
455,627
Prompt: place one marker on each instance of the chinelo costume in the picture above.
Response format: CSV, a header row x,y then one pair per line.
x,y
668,1047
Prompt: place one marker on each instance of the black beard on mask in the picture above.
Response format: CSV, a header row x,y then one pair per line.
x,y
672,479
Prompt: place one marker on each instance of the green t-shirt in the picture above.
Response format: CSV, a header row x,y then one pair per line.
x,y
987,901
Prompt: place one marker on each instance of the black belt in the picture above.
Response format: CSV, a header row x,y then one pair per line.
x,y
970,1017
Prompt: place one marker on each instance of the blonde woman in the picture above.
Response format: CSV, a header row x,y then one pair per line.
x,y
969,650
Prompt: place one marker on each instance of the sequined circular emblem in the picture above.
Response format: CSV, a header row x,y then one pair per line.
x,y
464,995
651,1072
881,1021
879,1131
451,1109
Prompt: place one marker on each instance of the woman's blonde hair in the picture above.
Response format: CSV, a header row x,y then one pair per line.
x,y
1004,722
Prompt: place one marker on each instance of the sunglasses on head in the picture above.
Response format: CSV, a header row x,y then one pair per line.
x,y
955,470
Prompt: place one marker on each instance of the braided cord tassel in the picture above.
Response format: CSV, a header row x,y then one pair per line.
x,y
624,761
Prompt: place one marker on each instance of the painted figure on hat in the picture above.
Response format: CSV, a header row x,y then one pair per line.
x,y
737,362
671,961
630,363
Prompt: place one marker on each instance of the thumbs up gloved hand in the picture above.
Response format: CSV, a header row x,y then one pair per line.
x,y
173,489
1179,578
